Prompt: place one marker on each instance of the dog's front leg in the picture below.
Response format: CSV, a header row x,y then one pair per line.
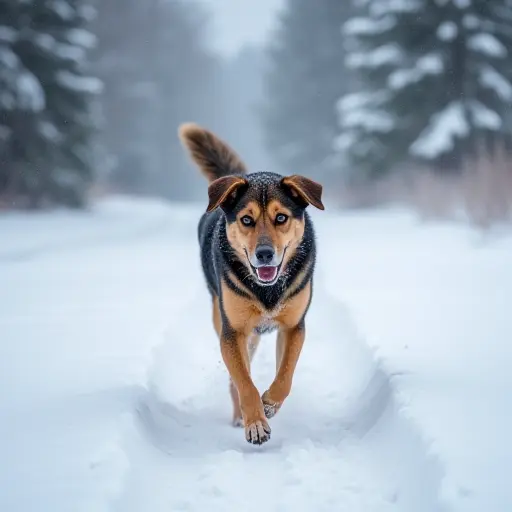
x,y
236,358
290,342
238,420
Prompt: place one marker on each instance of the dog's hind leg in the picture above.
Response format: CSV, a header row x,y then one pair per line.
x,y
252,344
280,341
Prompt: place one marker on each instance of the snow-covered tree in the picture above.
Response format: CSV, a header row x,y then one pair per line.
x,y
157,73
47,102
436,78
303,82
20,90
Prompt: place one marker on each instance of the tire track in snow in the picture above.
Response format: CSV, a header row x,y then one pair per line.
x,y
339,443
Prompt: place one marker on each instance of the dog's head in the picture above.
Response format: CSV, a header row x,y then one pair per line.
x,y
265,218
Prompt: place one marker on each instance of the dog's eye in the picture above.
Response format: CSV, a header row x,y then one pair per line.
x,y
247,221
281,218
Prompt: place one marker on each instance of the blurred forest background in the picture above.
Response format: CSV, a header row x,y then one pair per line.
x,y
383,101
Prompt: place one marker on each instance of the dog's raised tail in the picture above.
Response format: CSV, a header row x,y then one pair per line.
x,y
212,155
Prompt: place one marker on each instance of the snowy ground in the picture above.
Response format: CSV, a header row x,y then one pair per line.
x,y
114,396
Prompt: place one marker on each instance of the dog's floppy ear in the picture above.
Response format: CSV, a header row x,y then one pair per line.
x,y
308,190
223,189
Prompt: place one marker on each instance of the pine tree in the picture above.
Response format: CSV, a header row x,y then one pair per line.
x,y
305,74
157,73
20,91
436,79
49,150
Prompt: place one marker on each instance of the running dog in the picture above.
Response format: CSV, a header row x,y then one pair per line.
x,y
257,247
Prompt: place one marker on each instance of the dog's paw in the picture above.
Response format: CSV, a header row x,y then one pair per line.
x,y
237,422
269,406
270,410
257,432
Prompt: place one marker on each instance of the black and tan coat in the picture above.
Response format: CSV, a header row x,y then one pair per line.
x,y
257,248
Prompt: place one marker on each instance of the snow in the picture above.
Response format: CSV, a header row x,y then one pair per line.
x,y
69,52
430,64
484,117
79,83
447,31
61,50
359,26
87,12
81,37
462,4
361,99
383,55
487,44
114,396
371,120
8,58
491,79
63,9
30,92
49,131
383,7
7,34
470,21
344,142
439,135
433,302
44,41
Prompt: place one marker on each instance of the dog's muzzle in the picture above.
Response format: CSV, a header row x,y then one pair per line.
x,y
264,264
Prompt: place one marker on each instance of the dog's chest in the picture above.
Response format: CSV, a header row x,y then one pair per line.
x,y
268,323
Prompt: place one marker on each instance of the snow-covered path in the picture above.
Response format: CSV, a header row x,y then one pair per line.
x,y
114,396
83,297
339,442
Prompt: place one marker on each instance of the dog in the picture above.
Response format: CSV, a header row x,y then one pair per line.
x,y
258,251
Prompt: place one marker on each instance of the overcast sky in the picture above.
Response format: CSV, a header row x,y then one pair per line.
x,y
237,22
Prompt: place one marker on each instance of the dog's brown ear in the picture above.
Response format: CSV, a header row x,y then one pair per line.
x,y
308,190
223,189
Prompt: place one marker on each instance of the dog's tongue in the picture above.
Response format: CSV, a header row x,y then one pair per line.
x,y
266,273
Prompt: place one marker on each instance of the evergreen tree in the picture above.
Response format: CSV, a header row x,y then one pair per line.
x,y
157,74
303,82
49,122
19,91
436,79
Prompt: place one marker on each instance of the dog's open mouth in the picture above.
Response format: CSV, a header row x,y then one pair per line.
x,y
267,274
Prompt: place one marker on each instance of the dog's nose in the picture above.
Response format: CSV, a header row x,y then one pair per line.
x,y
264,254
